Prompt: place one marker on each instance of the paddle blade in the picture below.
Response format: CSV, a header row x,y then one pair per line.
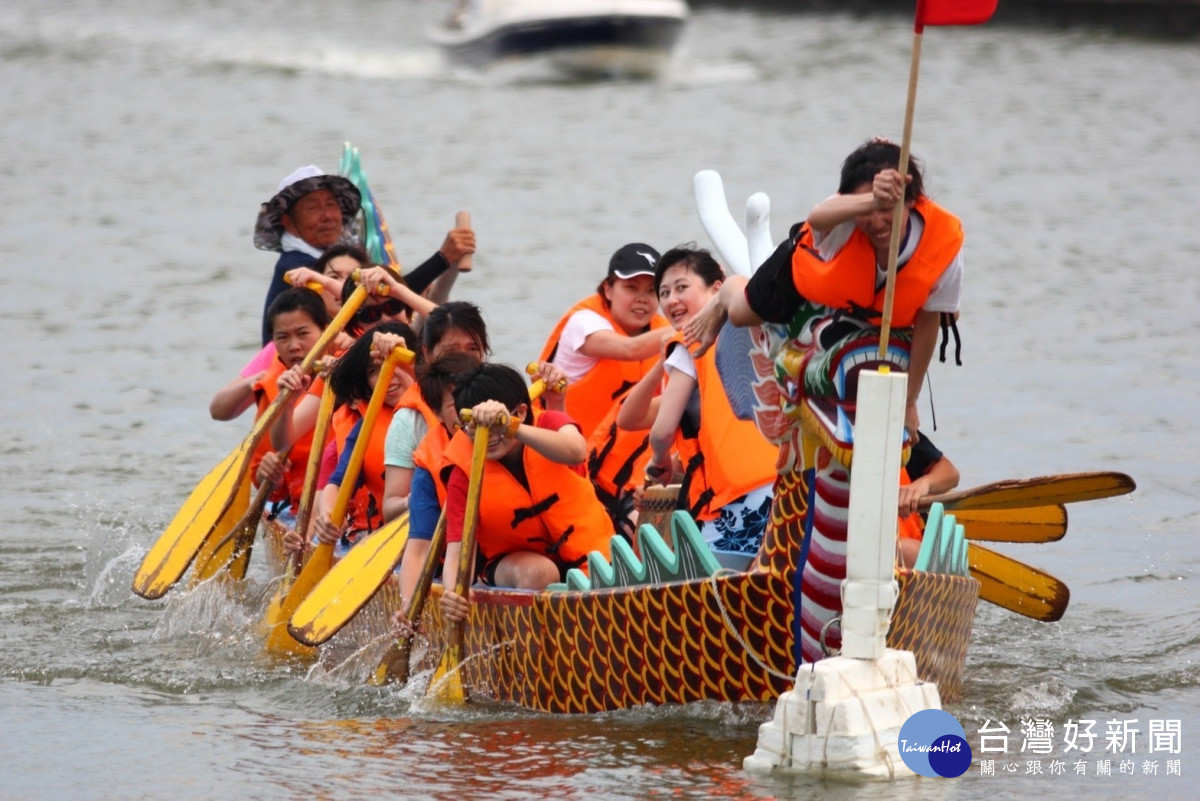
x,y
227,545
243,545
1017,586
1034,524
1041,491
446,686
350,584
274,619
169,557
393,667
279,639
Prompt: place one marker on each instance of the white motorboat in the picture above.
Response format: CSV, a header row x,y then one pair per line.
x,y
594,38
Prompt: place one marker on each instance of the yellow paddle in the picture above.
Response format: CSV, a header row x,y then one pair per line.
x,y
1016,586
393,667
1034,524
217,547
350,584
1008,582
232,550
214,499
446,684
1021,493
279,640
274,614
316,451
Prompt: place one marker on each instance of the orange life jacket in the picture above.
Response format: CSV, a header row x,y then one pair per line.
x,y
370,516
430,454
266,391
617,457
435,433
557,515
848,280
591,397
728,457
366,507
411,399
342,423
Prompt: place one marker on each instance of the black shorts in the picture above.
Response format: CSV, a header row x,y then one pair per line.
x,y
487,573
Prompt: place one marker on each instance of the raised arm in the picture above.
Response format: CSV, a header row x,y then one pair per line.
x,y
456,249
565,445
607,344
887,189
373,277
555,380
303,276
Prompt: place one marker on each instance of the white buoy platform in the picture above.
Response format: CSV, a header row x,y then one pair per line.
x,y
845,711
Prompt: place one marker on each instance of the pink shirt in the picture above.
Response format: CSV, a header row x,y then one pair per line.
x,y
261,361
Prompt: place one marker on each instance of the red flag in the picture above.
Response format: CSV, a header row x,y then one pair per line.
x,y
953,12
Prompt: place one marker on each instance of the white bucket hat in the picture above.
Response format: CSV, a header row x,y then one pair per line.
x,y
269,228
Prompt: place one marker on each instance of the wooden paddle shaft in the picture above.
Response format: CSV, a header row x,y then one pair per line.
x,y
313,468
463,220
889,293
378,394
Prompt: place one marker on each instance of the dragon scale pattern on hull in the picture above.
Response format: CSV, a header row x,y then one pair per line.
x,y
727,638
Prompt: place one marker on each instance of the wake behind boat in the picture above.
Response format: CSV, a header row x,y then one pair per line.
x,y
588,38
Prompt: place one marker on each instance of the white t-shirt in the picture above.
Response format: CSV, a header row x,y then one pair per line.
x,y
946,294
681,359
578,328
404,434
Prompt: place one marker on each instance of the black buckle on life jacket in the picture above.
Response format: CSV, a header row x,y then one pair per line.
x,y
597,458
552,550
701,501
685,486
621,477
523,514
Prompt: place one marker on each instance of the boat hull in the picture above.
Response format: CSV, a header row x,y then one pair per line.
x,y
603,44
730,637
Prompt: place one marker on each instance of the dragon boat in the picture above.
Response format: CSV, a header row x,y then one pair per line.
x,y
663,623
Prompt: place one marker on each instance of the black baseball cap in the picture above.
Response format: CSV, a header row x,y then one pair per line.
x,y
633,259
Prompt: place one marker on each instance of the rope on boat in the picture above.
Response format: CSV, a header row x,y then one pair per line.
x,y
825,630
737,635
880,751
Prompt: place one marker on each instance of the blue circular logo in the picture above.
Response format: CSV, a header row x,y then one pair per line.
x,y
933,743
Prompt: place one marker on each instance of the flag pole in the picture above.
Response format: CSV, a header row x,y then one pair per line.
x,y
889,293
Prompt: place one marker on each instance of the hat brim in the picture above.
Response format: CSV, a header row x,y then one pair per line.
x,y
268,228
